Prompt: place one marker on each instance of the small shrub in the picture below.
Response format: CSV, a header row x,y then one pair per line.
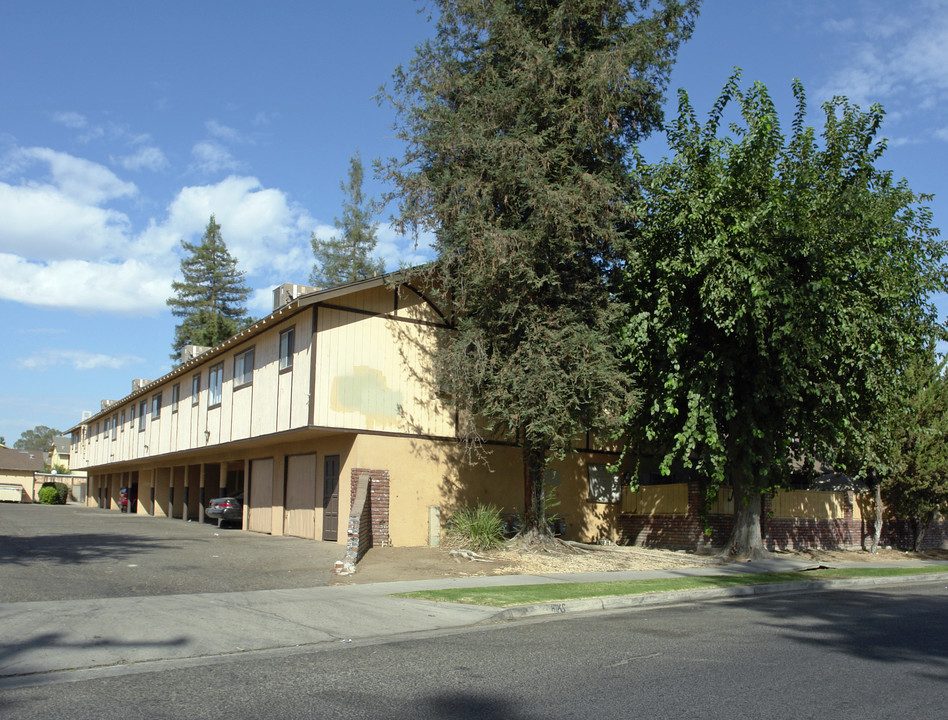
x,y
60,493
478,528
48,495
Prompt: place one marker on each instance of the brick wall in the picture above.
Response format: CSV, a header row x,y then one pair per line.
x,y
686,532
369,524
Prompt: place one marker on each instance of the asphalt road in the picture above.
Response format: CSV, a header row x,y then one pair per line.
x,y
56,552
862,653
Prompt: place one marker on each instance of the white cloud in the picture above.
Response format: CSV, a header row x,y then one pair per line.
x,y
942,134
262,229
64,244
76,178
128,287
42,223
894,57
78,359
223,132
70,119
211,157
147,157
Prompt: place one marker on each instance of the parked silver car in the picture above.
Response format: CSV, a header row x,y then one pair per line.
x,y
226,509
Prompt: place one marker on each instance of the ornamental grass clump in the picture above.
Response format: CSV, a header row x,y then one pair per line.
x,y
477,528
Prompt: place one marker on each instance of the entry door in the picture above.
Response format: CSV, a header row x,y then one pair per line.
x,y
331,498
300,512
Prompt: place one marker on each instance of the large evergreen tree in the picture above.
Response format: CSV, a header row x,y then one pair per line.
x,y
348,256
518,118
210,297
779,290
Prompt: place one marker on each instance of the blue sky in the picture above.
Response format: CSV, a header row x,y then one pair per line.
x,y
123,126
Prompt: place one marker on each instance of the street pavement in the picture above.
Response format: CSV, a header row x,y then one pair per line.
x,y
55,641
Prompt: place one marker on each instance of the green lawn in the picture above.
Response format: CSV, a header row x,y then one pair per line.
x,y
555,592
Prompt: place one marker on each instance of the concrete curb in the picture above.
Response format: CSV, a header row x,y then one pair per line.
x,y
678,597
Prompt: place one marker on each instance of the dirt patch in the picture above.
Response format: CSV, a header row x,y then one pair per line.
x,y
388,564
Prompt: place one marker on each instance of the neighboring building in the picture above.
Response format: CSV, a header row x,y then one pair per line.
x,y
17,468
59,452
335,386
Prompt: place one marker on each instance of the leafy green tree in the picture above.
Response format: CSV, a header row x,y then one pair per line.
x,y
39,439
211,295
518,119
779,289
917,487
348,257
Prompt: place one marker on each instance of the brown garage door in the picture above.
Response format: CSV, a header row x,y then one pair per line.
x,y
261,495
299,517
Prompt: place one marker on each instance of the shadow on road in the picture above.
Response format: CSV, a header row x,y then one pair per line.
x,y
880,626
74,548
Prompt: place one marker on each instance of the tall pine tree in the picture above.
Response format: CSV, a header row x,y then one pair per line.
x,y
348,256
211,295
517,119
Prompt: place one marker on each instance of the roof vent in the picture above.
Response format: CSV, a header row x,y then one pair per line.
x,y
288,292
189,352
139,383
105,404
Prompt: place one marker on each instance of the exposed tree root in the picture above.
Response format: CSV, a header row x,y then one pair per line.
x,y
531,541
632,550
734,554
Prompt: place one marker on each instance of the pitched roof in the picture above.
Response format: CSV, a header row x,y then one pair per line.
x,y
28,460
61,443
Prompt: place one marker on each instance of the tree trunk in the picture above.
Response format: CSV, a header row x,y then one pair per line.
x,y
534,510
877,527
921,525
746,542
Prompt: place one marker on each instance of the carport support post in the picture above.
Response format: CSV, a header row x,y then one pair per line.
x,y
184,509
171,493
201,496
246,502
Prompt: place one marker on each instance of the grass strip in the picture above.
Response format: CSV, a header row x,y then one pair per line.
x,y
510,595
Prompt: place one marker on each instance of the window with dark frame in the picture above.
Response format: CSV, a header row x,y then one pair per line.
x,y
156,406
175,393
195,389
215,384
122,422
604,486
142,410
243,368
287,343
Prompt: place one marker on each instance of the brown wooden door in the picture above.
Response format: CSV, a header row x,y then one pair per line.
x,y
300,508
331,498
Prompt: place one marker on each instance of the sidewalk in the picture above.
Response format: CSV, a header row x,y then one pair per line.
x,y
63,641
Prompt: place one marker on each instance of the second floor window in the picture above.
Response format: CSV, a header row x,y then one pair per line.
x,y
195,388
215,381
243,368
175,392
287,340
142,409
155,406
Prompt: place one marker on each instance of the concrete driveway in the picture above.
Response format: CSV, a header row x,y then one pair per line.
x,y
56,552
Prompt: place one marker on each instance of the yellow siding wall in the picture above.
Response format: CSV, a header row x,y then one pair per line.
x,y
669,499
273,401
810,504
375,373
